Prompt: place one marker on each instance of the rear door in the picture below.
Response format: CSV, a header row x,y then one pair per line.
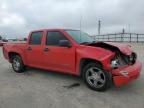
x,y
34,49
56,57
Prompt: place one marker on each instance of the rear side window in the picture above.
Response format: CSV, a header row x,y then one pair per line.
x,y
53,38
36,38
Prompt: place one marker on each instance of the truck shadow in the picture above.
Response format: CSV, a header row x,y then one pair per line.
x,y
75,81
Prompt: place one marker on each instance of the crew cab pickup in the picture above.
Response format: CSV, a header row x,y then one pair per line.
x,y
74,52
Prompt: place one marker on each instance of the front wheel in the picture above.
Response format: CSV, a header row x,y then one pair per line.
x,y
17,64
96,78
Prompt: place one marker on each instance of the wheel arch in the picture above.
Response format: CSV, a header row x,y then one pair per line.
x,y
11,54
85,61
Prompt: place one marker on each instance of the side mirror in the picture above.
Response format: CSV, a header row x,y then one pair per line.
x,y
65,43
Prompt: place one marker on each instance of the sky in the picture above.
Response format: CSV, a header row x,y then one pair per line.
x,y
19,17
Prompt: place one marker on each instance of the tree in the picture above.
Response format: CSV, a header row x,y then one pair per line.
x,y
0,37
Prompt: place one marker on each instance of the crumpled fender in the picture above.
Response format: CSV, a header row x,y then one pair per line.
x,y
96,53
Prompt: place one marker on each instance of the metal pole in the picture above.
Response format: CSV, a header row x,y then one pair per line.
x,y
129,28
80,27
115,37
137,38
99,27
121,37
130,37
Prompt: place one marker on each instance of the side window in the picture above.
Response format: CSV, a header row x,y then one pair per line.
x,y
36,38
53,38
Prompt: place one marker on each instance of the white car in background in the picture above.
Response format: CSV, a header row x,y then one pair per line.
x,y
2,42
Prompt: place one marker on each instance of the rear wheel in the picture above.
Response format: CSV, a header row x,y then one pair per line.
x,y
96,78
17,64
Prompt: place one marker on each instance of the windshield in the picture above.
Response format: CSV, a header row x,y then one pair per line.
x,y
79,36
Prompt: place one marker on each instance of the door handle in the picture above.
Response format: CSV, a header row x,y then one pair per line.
x,y
46,50
29,48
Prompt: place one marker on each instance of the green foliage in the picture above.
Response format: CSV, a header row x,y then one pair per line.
x,y
0,37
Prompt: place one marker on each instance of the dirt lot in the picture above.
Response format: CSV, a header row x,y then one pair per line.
x,y
43,89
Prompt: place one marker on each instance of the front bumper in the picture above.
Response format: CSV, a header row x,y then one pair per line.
x,y
133,73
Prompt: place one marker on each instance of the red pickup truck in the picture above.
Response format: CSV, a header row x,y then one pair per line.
x,y
74,52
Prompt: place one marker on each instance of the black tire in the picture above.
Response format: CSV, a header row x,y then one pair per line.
x,y
102,78
20,66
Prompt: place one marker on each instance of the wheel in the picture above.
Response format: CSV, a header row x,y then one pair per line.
x,y
17,64
96,78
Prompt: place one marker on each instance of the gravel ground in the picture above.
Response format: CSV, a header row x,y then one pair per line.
x,y
42,89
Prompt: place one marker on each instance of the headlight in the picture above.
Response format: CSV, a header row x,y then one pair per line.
x,y
115,63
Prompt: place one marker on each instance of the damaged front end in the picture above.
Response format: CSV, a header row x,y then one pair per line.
x,y
123,53
124,65
121,60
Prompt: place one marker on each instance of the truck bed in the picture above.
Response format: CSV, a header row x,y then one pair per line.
x,y
13,47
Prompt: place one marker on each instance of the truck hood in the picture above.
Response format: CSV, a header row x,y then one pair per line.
x,y
123,48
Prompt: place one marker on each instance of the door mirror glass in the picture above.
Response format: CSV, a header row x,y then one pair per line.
x,y
65,43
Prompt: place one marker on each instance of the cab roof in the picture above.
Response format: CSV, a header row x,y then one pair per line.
x,y
54,29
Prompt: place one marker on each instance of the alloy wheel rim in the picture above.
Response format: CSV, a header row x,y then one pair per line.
x,y
16,64
95,77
